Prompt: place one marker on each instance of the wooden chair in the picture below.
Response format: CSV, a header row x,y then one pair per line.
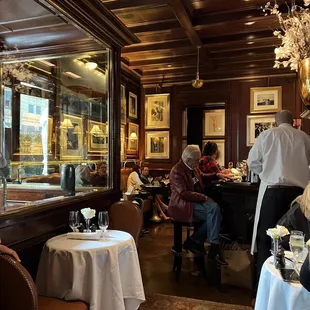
x,y
126,216
18,291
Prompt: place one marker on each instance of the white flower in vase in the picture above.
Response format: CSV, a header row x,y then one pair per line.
x,y
88,213
277,232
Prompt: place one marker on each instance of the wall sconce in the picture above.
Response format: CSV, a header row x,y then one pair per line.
x,y
133,136
66,124
96,131
91,65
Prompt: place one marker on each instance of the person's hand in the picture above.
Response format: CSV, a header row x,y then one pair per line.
x,y
4,249
222,176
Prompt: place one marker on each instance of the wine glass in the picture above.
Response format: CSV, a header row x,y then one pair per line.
x,y
296,244
74,220
103,221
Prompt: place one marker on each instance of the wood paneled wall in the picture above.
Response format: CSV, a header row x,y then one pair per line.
x,y
236,96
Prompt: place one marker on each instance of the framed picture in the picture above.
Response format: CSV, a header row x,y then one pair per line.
x,y
98,137
184,123
123,105
257,124
214,123
157,145
133,138
157,111
71,137
133,106
221,148
266,99
123,137
50,134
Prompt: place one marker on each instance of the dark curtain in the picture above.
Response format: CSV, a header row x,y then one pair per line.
x,y
195,126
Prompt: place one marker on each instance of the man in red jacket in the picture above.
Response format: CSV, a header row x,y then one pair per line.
x,y
187,201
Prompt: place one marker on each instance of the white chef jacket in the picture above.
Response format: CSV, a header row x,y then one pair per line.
x,y
279,156
133,182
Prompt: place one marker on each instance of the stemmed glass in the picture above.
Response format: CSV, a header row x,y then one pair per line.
x,y
103,221
296,245
74,220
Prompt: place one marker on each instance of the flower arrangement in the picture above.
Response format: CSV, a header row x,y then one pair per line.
x,y
294,33
277,232
88,213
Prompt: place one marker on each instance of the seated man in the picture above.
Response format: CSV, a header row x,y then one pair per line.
x,y
145,174
187,201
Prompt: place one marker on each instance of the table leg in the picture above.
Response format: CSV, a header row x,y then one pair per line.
x,y
155,218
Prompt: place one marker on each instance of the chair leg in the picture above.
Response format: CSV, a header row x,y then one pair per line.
x,y
177,264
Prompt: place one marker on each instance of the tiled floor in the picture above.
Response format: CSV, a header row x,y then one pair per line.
x,y
156,261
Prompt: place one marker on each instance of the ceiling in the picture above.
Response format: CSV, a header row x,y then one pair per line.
x,y
170,30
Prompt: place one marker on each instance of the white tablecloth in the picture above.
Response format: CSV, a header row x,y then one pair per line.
x,y
275,294
105,274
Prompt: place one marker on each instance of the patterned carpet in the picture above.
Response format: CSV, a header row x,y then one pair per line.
x,y
160,302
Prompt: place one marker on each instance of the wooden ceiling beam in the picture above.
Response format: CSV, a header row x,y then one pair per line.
x,y
130,5
179,9
155,46
157,25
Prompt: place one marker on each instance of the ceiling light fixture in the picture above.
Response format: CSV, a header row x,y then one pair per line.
x,y
91,65
249,23
197,83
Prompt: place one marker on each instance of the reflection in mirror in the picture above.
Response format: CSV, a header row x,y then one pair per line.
x,y
57,113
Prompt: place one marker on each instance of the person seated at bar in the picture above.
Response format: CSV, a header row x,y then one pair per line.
x,y
208,162
145,174
297,217
134,182
187,202
89,175
5,250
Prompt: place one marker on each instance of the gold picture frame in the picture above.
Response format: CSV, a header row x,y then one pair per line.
x,y
266,99
157,145
98,137
123,105
133,139
133,105
71,144
123,143
256,124
214,123
157,111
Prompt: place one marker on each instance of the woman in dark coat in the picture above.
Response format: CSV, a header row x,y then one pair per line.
x,y
298,218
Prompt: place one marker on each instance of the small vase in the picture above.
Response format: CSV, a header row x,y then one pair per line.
x,y
275,250
87,223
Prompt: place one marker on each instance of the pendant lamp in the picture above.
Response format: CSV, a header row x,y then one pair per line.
x,y
197,83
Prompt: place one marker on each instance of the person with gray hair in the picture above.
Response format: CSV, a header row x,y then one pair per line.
x,y
281,158
187,201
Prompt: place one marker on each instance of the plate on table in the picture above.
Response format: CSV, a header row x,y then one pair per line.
x,y
85,236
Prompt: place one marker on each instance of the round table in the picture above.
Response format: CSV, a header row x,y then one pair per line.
x,y
273,293
105,273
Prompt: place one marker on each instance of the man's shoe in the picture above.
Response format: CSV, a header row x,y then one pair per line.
x,y
193,247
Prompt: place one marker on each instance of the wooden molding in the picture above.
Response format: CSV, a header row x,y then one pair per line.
x,y
95,19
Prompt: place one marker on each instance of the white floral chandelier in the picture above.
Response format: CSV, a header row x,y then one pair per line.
x,y
294,33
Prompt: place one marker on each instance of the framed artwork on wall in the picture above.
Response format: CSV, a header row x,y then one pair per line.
x,y
184,123
157,145
71,137
266,99
97,137
123,139
50,134
157,111
133,106
257,124
123,105
133,138
221,147
214,123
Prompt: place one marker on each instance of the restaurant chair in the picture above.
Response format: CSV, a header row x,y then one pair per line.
x,y
178,244
126,216
18,291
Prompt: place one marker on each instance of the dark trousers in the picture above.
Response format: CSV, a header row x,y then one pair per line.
x,y
275,204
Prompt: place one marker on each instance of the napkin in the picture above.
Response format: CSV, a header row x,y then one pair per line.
x,y
84,236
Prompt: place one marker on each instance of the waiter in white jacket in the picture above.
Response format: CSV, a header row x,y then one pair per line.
x,y
281,158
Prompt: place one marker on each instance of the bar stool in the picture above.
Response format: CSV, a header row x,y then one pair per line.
x,y
177,247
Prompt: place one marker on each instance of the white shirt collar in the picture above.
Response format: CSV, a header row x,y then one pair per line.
x,y
285,125
187,165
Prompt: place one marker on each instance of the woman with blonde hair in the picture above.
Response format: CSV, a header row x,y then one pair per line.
x,y
298,217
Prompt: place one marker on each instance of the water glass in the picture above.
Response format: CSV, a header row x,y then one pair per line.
x,y
103,221
296,244
74,220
